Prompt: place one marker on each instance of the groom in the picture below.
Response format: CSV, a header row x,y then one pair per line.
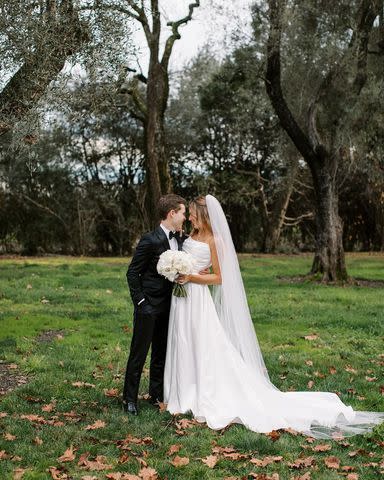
x,y
151,297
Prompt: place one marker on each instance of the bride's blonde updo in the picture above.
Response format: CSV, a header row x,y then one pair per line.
x,y
202,216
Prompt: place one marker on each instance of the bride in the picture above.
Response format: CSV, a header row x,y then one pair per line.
x,y
214,367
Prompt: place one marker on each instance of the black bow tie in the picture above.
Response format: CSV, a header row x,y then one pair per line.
x,y
173,234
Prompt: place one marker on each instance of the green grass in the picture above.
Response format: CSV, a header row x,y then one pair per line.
x,y
89,302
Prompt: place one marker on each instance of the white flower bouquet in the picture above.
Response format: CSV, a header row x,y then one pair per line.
x,y
173,263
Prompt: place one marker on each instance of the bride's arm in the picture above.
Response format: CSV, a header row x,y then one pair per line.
x,y
208,278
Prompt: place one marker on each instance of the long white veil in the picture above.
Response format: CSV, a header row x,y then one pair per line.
x,y
233,312
229,297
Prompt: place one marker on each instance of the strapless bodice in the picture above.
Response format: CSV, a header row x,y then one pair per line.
x,y
200,251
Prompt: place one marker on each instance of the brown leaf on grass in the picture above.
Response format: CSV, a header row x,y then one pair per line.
x,y
95,426
68,455
266,461
122,476
210,460
180,461
313,336
347,468
370,379
142,462
3,455
309,363
34,418
352,476
273,435
37,441
83,384
48,407
3,414
219,450
263,476
57,474
9,437
302,462
306,476
332,370
136,440
148,474
310,439
332,462
186,423
235,456
162,407
310,384
93,465
173,449
18,473
89,477
322,447
112,392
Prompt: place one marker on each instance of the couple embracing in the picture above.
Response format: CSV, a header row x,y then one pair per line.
x,y
205,356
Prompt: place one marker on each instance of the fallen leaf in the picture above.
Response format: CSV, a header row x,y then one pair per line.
x,y
313,336
34,418
68,455
210,461
310,384
348,368
57,474
332,462
332,370
18,473
180,461
98,424
3,414
9,437
273,435
49,407
309,363
352,476
302,462
173,449
371,379
121,476
148,474
83,384
37,441
323,447
266,461
112,392
306,476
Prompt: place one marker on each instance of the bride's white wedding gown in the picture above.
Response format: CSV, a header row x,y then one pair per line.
x,y
206,375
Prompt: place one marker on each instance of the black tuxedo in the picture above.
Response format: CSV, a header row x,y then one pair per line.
x,y
151,296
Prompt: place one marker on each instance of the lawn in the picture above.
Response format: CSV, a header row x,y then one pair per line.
x,y
65,332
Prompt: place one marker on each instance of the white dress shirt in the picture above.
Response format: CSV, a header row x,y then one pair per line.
x,y
172,242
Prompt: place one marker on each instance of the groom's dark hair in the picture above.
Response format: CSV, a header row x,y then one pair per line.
x,y
170,202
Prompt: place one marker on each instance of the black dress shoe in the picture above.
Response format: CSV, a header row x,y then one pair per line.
x,y
131,408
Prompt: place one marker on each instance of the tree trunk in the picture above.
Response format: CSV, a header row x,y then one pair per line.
x,y
329,260
276,221
157,170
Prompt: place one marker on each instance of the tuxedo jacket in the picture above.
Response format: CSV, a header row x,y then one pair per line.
x,y
143,279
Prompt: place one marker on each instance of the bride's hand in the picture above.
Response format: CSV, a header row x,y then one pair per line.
x,y
206,271
182,279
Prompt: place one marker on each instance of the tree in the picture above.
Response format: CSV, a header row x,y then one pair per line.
x,y
43,35
318,138
150,92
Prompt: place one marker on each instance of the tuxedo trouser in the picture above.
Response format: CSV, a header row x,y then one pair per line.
x,y
147,328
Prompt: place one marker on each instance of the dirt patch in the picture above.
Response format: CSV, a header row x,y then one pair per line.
x,y
10,378
50,335
351,282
